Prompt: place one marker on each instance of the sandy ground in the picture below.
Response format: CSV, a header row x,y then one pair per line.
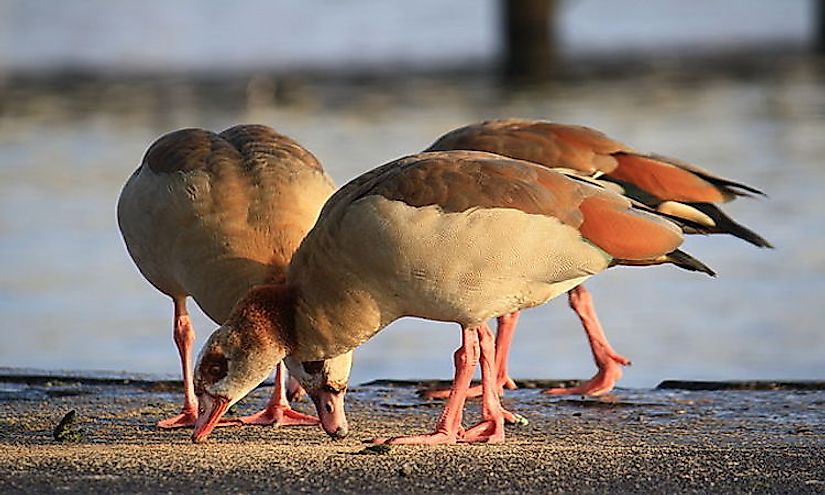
x,y
633,441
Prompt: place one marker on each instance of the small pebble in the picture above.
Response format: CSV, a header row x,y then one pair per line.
x,y
379,449
65,430
520,420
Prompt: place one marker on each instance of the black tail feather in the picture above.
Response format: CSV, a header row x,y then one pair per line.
x,y
676,257
736,188
727,225
688,262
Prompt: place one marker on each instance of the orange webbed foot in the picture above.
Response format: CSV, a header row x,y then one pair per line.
x,y
601,383
280,416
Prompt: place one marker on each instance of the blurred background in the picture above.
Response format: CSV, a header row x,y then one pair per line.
x,y
737,86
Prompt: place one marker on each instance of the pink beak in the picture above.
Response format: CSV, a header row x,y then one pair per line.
x,y
330,407
211,410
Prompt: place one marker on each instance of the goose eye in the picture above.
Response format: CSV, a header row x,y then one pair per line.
x,y
313,367
333,389
215,368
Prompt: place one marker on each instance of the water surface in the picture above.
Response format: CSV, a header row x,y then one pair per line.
x,y
71,298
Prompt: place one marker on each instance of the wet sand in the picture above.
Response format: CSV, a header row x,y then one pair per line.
x,y
663,440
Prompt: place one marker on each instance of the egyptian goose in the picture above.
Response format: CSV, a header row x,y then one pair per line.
x,y
457,236
668,185
211,215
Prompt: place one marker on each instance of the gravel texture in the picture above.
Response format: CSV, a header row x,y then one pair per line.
x,y
666,440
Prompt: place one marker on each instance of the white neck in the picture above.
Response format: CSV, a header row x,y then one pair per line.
x,y
336,316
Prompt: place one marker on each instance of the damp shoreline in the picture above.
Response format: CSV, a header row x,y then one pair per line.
x,y
710,437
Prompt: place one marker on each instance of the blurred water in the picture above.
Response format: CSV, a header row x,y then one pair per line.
x,y
71,298
213,35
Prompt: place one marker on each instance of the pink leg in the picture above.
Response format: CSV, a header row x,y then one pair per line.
x,y
449,424
184,336
277,410
294,391
607,360
491,427
504,337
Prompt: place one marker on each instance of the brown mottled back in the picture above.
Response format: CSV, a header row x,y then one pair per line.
x,y
649,178
552,145
657,178
209,215
185,150
190,149
259,142
463,180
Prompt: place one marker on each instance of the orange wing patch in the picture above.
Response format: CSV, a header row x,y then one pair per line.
x,y
663,180
625,233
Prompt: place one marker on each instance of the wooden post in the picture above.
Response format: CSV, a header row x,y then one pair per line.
x,y
819,26
529,38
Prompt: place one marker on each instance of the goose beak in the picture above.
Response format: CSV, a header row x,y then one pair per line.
x,y
330,407
211,409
